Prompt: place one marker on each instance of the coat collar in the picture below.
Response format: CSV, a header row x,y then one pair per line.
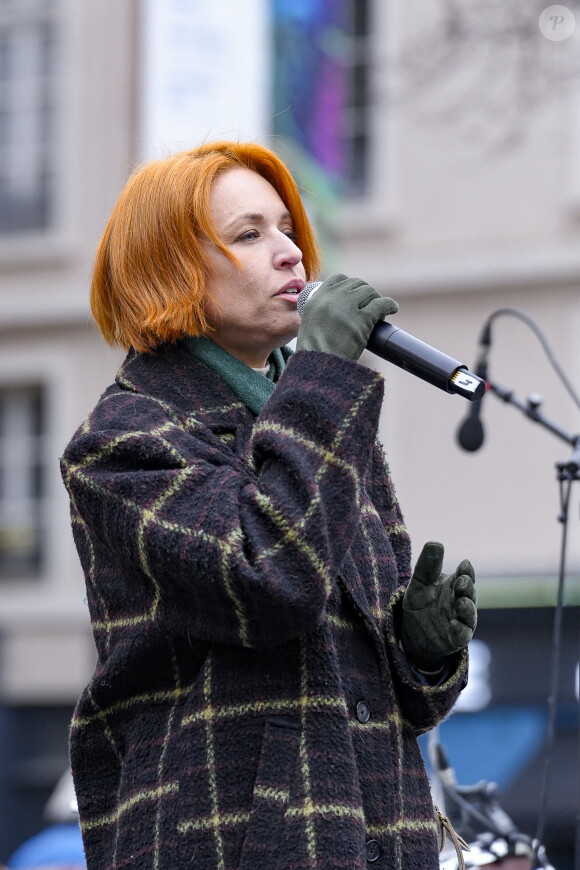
x,y
184,385
252,387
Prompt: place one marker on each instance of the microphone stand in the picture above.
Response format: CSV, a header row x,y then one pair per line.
x,y
530,409
567,473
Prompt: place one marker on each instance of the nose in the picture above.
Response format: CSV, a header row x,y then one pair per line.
x,y
287,253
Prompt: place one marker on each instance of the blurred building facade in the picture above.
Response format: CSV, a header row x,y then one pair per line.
x,y
428,193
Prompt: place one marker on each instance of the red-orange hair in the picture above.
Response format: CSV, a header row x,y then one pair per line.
x,y
150,271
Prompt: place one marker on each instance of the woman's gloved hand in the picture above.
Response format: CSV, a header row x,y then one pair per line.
x,y
340,316
439,612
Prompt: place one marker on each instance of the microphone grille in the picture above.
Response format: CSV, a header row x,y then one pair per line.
x,y
471,435
305,295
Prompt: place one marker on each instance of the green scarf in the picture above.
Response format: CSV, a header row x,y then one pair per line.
x,y
251,387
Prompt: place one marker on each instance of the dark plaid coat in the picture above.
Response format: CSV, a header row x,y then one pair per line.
x,y
250,707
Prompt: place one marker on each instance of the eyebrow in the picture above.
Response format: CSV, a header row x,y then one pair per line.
x,y
256,217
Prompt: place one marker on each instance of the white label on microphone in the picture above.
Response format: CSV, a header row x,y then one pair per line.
x,y
465,380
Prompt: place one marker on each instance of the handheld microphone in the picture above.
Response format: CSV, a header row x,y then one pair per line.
x,y
415,356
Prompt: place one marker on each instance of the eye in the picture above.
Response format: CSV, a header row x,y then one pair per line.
x,y
248,236
292,235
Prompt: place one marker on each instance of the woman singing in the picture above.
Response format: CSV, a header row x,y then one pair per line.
x,y
266,656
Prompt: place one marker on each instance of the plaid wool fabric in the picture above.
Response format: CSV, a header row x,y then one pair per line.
x,y
250,707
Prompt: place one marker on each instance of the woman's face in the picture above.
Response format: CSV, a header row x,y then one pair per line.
x,y
252,309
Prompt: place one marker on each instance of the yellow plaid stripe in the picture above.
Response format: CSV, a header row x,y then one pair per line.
x,y
77,520
145,699
393,720
232,547
398,529
402,826
342,811
369,512
211,765
261,707
106,449
214,823
341,623
161,765
219,821
272,794
108,733
135,800
326,456
293,535
304,758
210,713
226,410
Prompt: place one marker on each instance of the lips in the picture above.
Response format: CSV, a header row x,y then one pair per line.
x,y
292,288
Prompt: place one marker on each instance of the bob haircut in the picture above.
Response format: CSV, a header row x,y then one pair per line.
x,y
150,272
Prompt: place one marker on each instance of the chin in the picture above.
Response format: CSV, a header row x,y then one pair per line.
x,y
290,337
283,333
292,332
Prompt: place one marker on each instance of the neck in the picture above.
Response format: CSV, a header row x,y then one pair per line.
x,y
255,359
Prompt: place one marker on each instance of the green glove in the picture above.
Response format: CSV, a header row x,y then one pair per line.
x,y
439,612
340,315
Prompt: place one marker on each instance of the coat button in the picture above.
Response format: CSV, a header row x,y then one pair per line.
x,y
363,712
373,850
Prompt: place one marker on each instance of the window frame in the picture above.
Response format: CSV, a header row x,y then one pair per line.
x,y
31,468
374,211
59,241
41,363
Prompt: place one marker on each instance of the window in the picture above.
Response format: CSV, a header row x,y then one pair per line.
x,y
321,94
21,480
357,120
27,67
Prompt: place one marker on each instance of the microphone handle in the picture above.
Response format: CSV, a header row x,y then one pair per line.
x,y
424,361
